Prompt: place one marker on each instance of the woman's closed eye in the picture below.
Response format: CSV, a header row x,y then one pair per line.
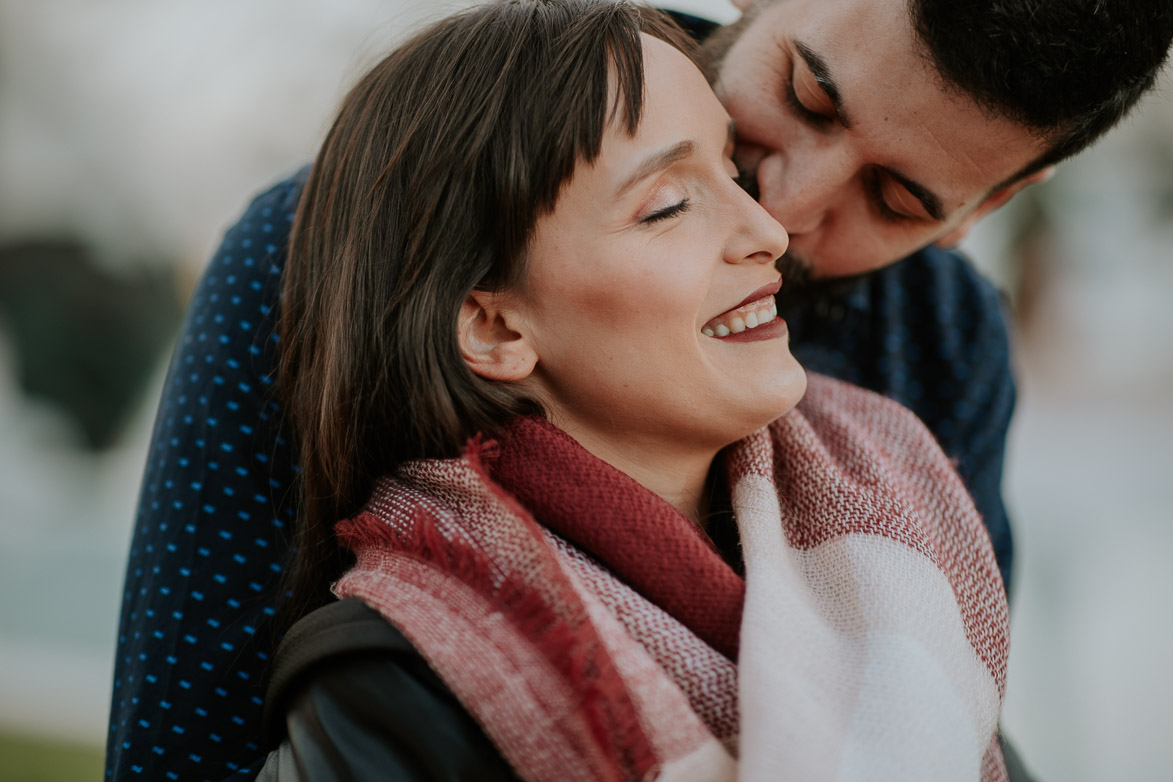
x,y
667,212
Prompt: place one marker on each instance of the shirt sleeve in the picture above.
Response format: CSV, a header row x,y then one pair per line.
x,y
978,438
212,527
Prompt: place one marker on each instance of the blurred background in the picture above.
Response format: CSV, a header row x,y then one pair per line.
x,y
133,133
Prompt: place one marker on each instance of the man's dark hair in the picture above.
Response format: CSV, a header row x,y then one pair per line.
x,y
428,186
1067,69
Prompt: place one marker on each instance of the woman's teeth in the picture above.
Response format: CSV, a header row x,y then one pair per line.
x,y
750,316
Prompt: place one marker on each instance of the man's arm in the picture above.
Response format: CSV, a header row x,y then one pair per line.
x,y
211,533
967,388
977,438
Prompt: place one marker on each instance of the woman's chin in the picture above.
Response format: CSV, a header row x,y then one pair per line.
x,y
781,382
781,391
765,370
790,389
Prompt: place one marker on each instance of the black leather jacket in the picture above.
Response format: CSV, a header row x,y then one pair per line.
x,y
351,699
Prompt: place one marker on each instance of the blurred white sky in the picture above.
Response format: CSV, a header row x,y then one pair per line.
x,y
144,128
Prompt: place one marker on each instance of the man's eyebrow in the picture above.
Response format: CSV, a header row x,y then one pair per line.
x,y
928,199
657,162
822,73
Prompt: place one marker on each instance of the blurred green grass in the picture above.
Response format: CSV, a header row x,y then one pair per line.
x,y
36,759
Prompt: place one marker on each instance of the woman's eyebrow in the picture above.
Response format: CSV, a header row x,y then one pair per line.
x,y
657,162
666,157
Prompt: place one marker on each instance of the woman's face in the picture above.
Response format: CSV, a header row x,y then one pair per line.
x,y
644,283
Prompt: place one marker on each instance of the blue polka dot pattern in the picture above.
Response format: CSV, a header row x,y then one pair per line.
x,y
214,517
212,530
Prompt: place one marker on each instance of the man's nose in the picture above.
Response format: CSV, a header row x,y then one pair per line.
x,y
802,187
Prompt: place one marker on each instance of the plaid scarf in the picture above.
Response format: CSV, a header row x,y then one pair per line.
x,y
596,634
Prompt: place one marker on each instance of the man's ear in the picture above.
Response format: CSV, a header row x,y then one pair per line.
x,y
490,343
995,200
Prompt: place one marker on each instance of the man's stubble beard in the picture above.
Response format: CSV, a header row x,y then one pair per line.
x,y
796,273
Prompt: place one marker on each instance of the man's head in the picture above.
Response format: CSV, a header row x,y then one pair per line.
x,y
876,127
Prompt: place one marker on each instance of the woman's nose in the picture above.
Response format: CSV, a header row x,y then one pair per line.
x,y
760,238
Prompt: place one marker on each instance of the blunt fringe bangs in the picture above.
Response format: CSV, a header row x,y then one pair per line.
x,y
428,186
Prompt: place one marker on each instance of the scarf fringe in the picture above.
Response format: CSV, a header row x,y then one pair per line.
x,y
567,639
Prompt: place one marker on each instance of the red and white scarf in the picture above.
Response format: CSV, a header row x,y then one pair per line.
x,y
596,634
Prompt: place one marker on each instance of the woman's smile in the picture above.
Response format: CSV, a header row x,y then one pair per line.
x,y
756,310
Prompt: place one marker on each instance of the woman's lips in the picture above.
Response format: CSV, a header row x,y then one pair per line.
x,y
762,292
755,311
772,329
749,316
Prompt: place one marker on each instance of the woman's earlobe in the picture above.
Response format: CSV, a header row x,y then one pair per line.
x,y
489,342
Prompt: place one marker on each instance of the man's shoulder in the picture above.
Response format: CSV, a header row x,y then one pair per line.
x,y
279,199
697,27
243,274
939,300
944,279
929,331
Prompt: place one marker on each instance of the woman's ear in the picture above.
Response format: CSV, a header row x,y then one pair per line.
x,y
490,342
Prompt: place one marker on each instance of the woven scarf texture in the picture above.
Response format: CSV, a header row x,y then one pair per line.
x,y
596,634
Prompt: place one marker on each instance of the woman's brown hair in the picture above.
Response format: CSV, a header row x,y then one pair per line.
x,y
428,186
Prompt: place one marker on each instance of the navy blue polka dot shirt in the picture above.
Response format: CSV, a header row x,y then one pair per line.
x,y
214,520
